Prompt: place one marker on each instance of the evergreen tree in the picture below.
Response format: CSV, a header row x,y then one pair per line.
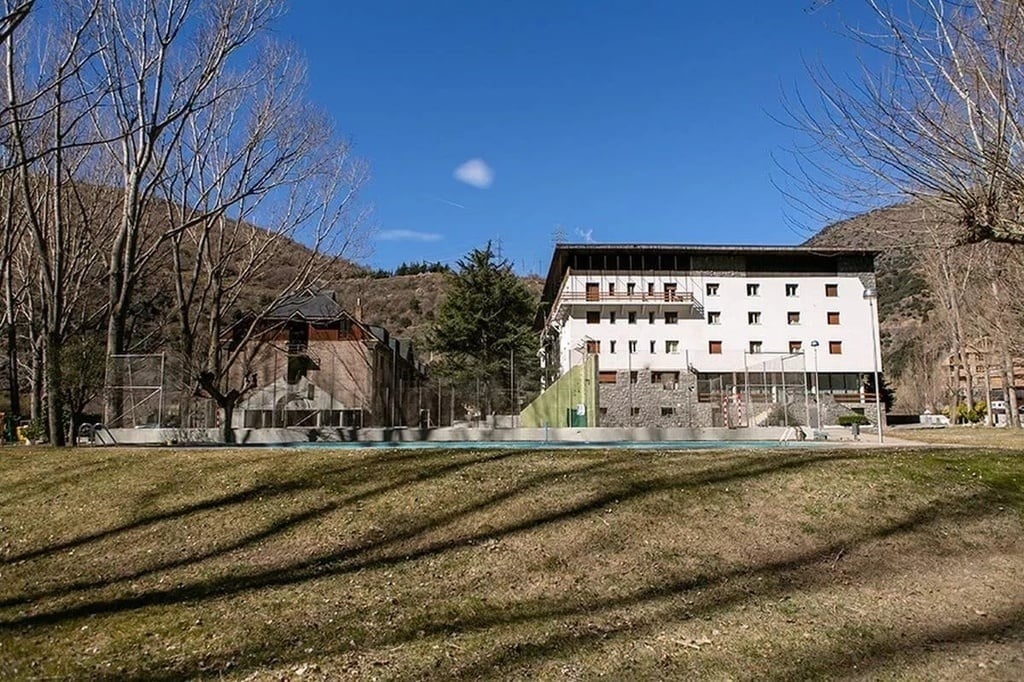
x,y
484,325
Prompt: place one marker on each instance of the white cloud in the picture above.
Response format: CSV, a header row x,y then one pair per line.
x,y
586,235
408,235
475,173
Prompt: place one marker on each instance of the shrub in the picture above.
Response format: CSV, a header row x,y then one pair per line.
x,y
851,419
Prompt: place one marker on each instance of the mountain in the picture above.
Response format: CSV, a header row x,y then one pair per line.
x,y
404,304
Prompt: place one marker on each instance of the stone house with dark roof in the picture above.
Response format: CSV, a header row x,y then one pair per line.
x,y
320,367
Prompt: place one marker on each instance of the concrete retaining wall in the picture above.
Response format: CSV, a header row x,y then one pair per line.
x,y
443,435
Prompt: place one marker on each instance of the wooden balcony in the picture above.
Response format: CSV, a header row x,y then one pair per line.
x,y
683,298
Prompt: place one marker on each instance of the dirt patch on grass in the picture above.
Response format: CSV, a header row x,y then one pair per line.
x,y
167,564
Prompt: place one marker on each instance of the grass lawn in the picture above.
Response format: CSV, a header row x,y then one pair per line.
x,y
977,436
261,564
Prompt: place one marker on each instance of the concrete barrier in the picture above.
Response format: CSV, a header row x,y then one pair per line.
x,y
457,434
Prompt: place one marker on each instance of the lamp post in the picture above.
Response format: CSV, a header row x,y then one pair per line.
x,y
870,294
817,387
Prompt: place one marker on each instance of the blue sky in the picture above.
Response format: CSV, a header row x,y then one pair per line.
x,y
609,120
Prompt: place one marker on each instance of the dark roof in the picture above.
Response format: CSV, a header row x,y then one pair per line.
x,y
308,306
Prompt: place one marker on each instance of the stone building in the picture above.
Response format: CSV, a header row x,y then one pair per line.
x,y
319,367
714,335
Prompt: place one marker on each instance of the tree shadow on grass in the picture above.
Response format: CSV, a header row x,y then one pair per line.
x,y
361,556
293,520
416,540
250,494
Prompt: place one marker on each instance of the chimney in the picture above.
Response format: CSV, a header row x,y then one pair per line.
x,y
358,312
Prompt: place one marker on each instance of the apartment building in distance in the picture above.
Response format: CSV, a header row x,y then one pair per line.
x,y
714,335
317,366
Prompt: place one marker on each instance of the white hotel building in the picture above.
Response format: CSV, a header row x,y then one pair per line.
x,y
714,335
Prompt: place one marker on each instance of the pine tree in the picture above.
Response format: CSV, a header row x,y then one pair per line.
x,y
484,322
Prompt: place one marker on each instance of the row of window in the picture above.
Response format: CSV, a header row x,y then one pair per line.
x,y
594,317
667,379
792,290
714,347
593,289
754,317
635,411
714,317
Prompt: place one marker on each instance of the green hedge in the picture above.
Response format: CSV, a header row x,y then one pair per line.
x,y
851,419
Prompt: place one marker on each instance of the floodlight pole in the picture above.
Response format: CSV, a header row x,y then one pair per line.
x,y
871,294
817,386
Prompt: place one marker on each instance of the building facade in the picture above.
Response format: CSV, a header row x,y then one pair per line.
x,y
714,335
317,366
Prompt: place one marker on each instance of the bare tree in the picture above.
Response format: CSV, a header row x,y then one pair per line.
x,y
159,67
49,160
13,14
259,154
940,123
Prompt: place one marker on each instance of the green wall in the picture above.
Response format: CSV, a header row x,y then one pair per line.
x,y
578,385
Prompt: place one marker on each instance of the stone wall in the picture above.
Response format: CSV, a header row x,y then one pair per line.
x,y
654,403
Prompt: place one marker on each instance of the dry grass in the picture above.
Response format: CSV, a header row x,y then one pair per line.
x,y
260,564
974,436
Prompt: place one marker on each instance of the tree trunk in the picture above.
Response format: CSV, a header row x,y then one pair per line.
x,y
227,432
1009,391
14,393
989,417
54,392
74,424
36,406
113,399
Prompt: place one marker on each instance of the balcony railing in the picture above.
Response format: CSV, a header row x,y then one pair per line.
x,y
677,297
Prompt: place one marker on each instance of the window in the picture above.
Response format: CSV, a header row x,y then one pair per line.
x,y
755,346
712,288
603,411
831,290
630,288
793,317
606,377
593,316
593,347
796,346
671,318
668,380
715,347
593,291
611,288
668,411
671,346
670,291
650,288
650,318
611,347
633,377
611,317
632,347
631,318
714,317
833,318
791,289
635,412
835,347
654,344
753,318
752,289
